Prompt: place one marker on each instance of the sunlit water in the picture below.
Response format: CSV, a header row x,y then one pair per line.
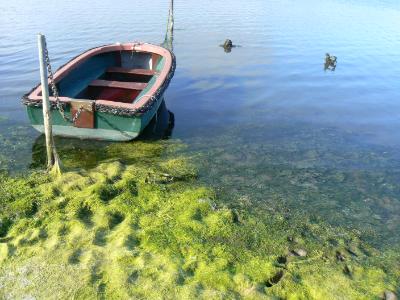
x,y
268,122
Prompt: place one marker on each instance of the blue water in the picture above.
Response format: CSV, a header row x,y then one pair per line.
x,y
268,122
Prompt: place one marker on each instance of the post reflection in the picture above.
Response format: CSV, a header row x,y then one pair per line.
x,y
78,153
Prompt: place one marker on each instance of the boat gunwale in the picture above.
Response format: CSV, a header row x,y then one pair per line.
x,y
63,71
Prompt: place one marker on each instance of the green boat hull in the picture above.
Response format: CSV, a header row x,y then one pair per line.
x,y
106,126
117,89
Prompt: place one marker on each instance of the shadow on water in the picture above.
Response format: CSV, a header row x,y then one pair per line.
x,y
161,126
87,154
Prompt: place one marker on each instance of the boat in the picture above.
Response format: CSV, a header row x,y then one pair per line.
x,y
110,92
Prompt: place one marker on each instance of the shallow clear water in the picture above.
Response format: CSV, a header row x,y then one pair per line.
x,y
269,124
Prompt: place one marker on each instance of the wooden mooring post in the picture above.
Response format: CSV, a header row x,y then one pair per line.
x,y
53,162
45,100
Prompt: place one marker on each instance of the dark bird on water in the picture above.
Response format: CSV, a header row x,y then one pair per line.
x,y
330,62
330,58
228,45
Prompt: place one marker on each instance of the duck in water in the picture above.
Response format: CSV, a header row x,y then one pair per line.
x,y
228,45
330,62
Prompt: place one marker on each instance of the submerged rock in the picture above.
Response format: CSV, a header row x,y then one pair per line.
x,y
281,260
389,295
300,252
5,224
235,217
348,270
275,279
352,250
292,239
340,256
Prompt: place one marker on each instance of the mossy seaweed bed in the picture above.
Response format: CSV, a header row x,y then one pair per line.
x,y
144,227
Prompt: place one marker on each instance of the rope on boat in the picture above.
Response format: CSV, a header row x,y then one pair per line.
x,y
169,34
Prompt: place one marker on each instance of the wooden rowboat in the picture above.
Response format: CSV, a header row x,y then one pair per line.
x,y
109,92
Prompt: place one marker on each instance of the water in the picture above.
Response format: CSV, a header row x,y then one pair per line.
x,y
267,122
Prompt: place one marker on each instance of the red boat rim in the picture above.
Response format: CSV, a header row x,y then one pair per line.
x,y
136,46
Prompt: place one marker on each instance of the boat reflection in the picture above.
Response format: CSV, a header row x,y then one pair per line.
x,y
161,126
88,153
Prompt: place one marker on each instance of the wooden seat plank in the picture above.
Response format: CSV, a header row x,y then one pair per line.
x,y
131,71
118,84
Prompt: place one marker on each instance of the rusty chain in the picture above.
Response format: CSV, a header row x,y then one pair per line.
x,y
55,91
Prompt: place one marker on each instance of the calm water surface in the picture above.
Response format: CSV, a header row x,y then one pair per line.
x,y
269,124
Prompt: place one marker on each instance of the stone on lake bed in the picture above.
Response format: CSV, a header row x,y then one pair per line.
x,y
340,256
348,270
300,252
352,250
292,239
282,260
389,295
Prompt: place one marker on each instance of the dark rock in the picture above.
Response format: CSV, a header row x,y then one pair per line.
x,y
333,242
389,295
235,217
5,225
340,256
325,258
5,239
274,279
282,260
348,270
352,251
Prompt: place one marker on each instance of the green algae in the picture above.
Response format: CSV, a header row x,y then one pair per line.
x,y
150,230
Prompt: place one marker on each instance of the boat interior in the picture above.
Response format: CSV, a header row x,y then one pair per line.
x,y
120,76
